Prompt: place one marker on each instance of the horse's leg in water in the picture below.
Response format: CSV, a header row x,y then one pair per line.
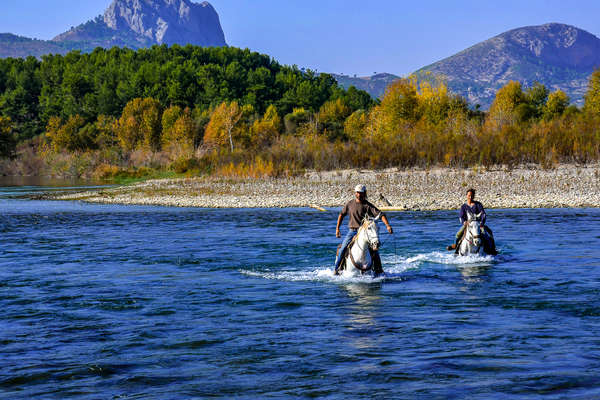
x,y
376,260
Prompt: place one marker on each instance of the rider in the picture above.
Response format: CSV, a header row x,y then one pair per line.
x,y
357,209
474,207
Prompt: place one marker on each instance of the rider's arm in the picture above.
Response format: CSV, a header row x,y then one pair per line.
x,y
374,212
387,224
339,223
462,215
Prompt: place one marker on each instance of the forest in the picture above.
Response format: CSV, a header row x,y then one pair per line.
x,y
232,112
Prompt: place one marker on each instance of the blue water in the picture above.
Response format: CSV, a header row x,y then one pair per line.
x,y
123,302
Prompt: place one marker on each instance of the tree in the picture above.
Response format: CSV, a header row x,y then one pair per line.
x,y
332,115
7,139
183,131
504,107
355,125
265,130
592,96
69,136
298,117
106,127
169,117
536,97
222,123
556,105
140,124
400,102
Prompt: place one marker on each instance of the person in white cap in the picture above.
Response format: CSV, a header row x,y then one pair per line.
x,y
357,209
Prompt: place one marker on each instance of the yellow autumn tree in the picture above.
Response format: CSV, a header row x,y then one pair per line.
x,y
503,111
355,125
184,130
140,124
592,96
169,117
398,109
556,105
220,128
433,99
331,117
66,136
265,130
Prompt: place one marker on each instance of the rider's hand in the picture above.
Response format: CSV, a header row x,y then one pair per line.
x,y
390,230
337,233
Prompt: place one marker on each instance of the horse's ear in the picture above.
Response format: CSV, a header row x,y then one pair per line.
x,y
469,216
478,216
377,217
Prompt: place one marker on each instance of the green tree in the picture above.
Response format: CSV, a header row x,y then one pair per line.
x,y
7,139
535,100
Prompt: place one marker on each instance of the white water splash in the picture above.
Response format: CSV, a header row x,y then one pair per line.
x,y
320,274
394,267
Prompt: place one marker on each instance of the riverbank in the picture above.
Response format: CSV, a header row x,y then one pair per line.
x,y
430,189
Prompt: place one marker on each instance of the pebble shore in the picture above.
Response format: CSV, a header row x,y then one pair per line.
x,y
415,189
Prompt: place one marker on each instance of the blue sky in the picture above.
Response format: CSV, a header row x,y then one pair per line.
x,y
350,36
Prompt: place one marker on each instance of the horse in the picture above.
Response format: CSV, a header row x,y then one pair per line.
x,y
362,254
475,239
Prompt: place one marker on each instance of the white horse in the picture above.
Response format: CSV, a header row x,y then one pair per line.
x,y
359,260
472,242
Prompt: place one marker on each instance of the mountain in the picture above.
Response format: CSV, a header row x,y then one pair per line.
x,y
21,47
556,55
130,23
374,85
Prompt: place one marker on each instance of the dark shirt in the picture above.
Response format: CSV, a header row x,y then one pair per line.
x,y
475,209
357,212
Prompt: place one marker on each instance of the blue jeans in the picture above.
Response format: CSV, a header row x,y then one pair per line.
x,y
351,233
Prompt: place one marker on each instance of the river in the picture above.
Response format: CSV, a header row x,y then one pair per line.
x,y
105,301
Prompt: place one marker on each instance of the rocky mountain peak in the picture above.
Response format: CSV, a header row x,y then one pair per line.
x,y
557,44
167,21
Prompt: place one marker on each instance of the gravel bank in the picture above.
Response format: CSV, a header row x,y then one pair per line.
x,y
431,189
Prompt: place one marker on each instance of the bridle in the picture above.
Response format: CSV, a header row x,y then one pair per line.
x,y
470,237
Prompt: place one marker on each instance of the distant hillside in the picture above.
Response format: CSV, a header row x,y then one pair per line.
x,y
21,47
556,55
130,23
374,85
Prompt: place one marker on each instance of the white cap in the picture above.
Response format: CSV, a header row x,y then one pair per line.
x,y
360,188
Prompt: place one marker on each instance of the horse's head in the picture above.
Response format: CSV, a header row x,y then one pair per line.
x,y
372,232
474,228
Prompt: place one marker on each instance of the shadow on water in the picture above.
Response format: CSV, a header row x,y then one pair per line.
x,y
26,187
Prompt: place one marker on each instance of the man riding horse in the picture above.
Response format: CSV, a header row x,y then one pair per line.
x,y
357,209
474,208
